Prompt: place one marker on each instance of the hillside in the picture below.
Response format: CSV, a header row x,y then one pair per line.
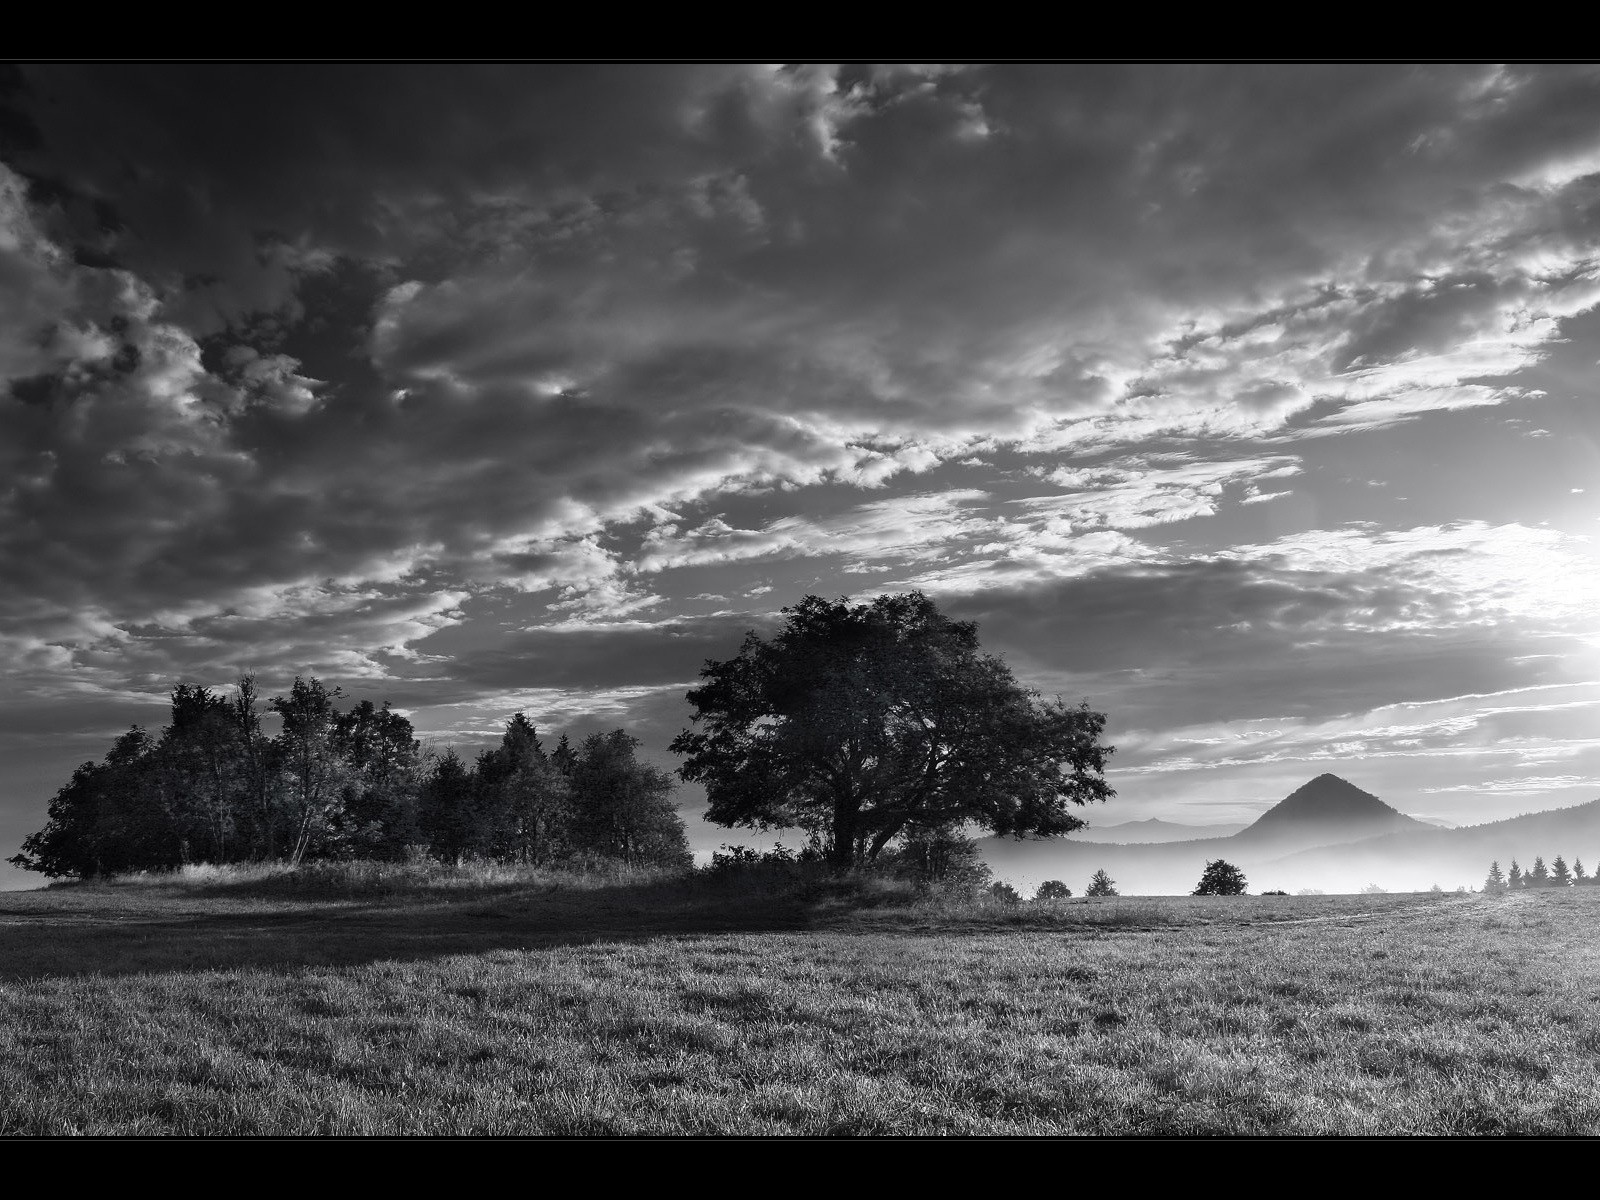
x,y
1451,856
1152,830
1324,811
1408,859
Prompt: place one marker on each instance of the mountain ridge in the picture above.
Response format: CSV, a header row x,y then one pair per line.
x,y
1408,855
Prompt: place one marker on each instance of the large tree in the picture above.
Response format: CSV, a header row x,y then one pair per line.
x,y
862,722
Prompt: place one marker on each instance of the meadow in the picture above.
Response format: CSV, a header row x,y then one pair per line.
x,y
405,1001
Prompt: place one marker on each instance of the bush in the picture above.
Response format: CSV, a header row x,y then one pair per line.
x,y
1053,889
1004,893
938,860
1275,893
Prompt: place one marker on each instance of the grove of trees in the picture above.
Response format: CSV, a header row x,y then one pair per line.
x,y
1558,875
352,783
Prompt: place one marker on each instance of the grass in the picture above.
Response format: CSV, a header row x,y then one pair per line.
x,y
531,1003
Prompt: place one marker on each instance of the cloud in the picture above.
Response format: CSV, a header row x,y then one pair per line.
x,y
506,367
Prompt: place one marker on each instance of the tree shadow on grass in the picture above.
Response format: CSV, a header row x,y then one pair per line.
x,y
90,932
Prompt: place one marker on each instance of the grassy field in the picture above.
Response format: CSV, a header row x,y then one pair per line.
x,y
382,1003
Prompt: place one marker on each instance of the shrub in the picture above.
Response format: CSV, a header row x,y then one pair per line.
x,y
1052,889
1004,893
939,860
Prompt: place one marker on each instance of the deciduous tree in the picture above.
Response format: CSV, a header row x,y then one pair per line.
x,y
622,808
308,752
860,722
1220,878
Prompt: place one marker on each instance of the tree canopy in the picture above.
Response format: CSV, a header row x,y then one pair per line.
x,y
861,723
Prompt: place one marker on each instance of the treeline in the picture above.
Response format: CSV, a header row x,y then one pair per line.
x,y
332,784
1557,874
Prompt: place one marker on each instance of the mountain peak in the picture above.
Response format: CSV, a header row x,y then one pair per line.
x,y
1329,806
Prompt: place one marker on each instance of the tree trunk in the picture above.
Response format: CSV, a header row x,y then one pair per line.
x,y
842,854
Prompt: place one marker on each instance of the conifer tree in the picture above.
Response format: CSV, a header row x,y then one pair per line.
x,y
563,757
1539,876
1560,876
1101,884
1515,878
1496,881
1579,875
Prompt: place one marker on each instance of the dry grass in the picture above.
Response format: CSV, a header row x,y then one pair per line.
x,y
567,1006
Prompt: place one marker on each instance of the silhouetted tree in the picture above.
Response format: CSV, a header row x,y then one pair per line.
x,y
563,756
1220,878
1539,876
314,771
445,808
521,799
622,808
107,819
1514,878
1560,876
377,815
860,722
1101,884
1052,889
1580,877
257,759
1496,880
196,771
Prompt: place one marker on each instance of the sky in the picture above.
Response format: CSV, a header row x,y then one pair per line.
x,y
1253,404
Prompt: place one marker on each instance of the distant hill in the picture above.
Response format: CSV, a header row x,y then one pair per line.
x,y
1326,811
1127,833
1363,841
1453,856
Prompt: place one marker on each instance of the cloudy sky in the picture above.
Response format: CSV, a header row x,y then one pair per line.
x,y
1253,404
